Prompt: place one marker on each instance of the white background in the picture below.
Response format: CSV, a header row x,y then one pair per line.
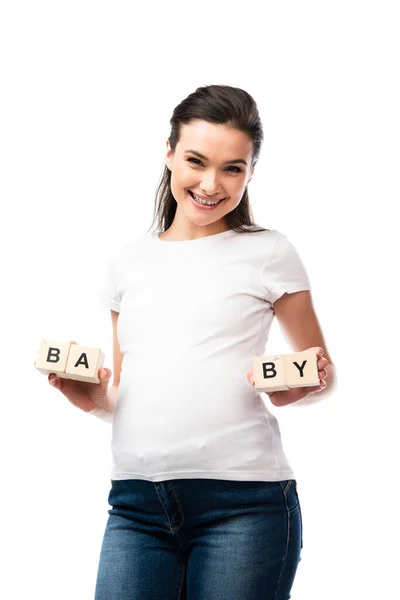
x,y
87,91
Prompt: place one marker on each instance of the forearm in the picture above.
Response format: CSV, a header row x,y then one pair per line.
x,y
107,414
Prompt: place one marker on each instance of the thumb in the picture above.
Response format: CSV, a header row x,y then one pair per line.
x,y
250,377
318,350
53,380
104,375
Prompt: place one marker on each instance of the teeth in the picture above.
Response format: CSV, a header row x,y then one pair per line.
x,y
201,201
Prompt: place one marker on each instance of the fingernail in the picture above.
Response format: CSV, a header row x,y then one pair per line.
x,y
103,372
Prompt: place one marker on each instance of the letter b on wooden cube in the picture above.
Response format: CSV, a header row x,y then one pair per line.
x,y
269,373
52,358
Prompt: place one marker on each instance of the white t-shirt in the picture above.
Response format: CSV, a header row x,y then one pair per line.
x,y
193,314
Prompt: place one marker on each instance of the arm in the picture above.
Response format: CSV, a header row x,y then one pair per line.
x,y
108,415
102,413
299,324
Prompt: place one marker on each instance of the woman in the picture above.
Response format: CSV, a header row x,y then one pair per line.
x,y
204,502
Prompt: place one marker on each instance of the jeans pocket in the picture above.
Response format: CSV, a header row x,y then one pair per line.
x,y
285,485
292,501
290,495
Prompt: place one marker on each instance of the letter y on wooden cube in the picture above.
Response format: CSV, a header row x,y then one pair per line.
x,y
301,369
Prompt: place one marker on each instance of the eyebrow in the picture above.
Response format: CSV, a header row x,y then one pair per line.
x,y
237,160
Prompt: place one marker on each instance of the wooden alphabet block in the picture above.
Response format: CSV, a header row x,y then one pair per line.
x,y
284,371
70,361
269,373
301,369
52,358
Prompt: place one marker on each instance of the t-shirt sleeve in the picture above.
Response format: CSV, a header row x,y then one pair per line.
x,y
110,295
283,271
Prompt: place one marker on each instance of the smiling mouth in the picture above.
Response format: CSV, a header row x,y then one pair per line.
x,y
205,201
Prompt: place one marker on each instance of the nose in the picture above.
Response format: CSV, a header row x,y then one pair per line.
x,y
209,185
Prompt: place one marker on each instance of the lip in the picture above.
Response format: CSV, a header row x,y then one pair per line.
x,y
205,197
200,207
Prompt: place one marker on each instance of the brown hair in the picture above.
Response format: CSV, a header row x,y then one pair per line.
x,y
221,104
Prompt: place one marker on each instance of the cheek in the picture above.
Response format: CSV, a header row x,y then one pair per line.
x,y
183,181
232,203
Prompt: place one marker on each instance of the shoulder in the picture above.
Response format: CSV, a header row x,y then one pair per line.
x,y
284,248
270,238
259,241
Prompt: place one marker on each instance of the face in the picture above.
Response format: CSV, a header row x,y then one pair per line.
x,y
215,176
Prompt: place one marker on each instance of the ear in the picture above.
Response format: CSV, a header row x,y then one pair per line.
x,y
168,157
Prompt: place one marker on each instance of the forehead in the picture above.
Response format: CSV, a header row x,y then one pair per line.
x,y
214,138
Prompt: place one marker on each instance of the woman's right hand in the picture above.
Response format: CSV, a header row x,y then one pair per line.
x,y
83,395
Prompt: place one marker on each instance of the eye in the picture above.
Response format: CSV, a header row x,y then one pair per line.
x,y
196,159
231,167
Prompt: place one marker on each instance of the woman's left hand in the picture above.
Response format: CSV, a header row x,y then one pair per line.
x,y
284,397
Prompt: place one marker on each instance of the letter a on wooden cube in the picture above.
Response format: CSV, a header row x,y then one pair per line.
x,y
269,373
84,363
52,357
301,369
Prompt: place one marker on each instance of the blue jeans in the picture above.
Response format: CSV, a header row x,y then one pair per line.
x,y
200,539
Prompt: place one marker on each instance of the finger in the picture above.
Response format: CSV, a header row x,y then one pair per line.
x,y
318,350
250,378
53,379
322,373
104,374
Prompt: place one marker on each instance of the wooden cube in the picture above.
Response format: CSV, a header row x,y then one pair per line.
x,y
301,369
279,372
84,363
52,357
70,361
269,373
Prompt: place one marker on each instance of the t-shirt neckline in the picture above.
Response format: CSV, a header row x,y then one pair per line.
x,y
214,236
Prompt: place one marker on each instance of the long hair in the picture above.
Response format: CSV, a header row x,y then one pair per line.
x,y
220,104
